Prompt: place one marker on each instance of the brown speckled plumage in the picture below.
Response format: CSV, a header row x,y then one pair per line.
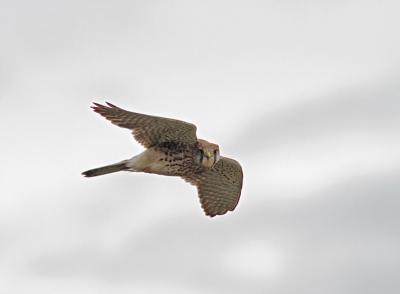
x,y
149,130
219,189
172,149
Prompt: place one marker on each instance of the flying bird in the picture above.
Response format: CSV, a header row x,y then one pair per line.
x,y
173,149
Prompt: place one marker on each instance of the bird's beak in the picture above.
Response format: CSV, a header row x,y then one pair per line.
x,y
208,154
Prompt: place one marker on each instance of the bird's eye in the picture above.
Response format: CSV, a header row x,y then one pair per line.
x,y
216,151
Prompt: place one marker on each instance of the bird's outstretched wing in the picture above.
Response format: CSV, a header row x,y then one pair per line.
x,y
149,130
219,189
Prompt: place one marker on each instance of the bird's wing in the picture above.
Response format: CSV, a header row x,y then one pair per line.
x,y
149,130
219,189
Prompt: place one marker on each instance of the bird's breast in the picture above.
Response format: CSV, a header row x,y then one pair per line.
x,y
166,161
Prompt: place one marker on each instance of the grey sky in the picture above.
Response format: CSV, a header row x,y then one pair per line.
x,y
304,94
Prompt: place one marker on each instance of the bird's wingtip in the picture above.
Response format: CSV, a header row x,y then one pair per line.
x,y
111,105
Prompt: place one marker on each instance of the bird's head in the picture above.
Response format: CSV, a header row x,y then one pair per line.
x,y
209,153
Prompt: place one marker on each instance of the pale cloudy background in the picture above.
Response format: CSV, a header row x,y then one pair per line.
x,y
305,94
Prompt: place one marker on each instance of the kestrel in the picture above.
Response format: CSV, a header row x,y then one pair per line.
x,y
172,149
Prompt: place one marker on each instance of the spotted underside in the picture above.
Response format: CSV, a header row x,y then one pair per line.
x,y
179,159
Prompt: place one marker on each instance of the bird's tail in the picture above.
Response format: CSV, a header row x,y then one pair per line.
x,y
112,168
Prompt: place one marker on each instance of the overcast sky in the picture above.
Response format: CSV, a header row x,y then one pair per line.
x,y
304,94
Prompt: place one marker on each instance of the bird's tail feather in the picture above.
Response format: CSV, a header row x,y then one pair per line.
x,y
112,168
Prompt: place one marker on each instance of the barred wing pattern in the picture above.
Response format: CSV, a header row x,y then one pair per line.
x,y
149,130
219,189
